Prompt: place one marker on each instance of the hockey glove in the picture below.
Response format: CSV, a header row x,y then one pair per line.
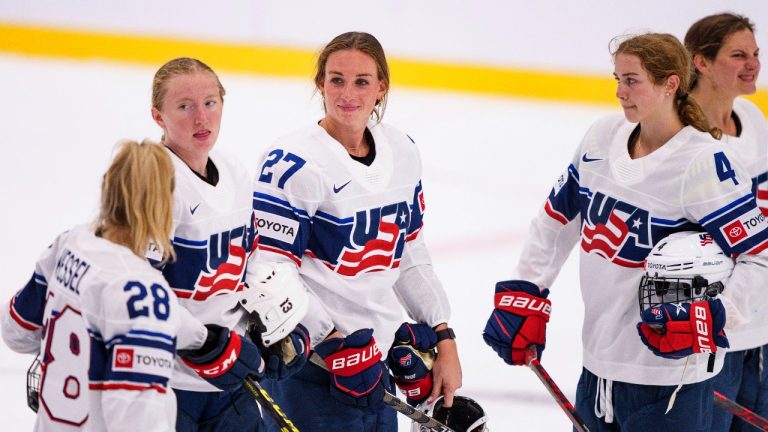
x,y
420,336
225,359
413,375
519,319
671,331
355,367
289,355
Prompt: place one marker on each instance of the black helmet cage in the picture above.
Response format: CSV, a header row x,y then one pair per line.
x,y
658,290
461,415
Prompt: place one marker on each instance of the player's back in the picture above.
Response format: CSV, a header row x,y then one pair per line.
x,y
107,333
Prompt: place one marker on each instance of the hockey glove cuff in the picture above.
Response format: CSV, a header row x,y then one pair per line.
x,y
225,359
355,368
413,375
519,319
677,330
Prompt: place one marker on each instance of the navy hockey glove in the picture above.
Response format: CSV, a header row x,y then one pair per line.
x,y
355,367
518,320
289,355
225,359
413,375
420,336
671,331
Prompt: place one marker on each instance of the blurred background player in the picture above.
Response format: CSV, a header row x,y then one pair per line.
x,y
213,237
634,180
725,57
342,202
94,307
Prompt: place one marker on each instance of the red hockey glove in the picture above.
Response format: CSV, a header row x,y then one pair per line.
x,y
519,319
677,330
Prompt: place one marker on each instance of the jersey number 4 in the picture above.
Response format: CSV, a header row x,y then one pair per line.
x,y
723,168
273,158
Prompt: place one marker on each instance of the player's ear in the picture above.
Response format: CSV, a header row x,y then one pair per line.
x,y
157,117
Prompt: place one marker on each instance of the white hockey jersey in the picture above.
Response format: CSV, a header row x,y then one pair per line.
x,y
214,235
617,208
106,325
354,231
750,327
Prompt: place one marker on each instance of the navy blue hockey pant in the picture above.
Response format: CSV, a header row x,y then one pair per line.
x,y
217,411
306,399
640,408
744,379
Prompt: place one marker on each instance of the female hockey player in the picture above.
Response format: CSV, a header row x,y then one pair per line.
x,y
725,56
213,237
342,202
634,180
105,322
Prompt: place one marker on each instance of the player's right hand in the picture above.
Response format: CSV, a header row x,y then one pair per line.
x,y
355,366
289,355
677,330
519,319
225,359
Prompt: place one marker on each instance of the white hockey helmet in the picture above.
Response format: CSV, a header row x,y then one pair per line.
x,y
683,267
275,297
465,415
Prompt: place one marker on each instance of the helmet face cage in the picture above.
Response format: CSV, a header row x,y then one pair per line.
x,y
33,385
465,415
658,290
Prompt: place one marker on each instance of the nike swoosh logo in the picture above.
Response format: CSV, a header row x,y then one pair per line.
x,y
338,189
194,209
588,159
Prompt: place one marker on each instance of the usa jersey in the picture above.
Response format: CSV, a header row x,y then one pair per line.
x,y
214,235
353,231
616,208
105,324
750,317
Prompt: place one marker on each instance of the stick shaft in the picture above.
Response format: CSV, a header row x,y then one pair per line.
x,y
740,411
269,405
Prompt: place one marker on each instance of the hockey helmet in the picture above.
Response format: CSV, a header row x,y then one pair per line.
x,y
465,415
683,267
275,297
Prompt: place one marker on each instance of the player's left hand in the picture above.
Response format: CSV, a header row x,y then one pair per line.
x,y
446,372
420,336
677,330
287,356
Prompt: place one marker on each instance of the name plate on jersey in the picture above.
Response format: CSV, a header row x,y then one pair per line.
x,y
277,227
143,360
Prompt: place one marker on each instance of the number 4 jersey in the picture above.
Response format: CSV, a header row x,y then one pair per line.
x,y
107,327
616,209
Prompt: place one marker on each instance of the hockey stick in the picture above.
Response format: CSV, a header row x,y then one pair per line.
x,y
554,390
266,402
398,405
740,411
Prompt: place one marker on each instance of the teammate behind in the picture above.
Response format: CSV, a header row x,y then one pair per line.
x,y
341,202
725,55
213,237
634,180
104,320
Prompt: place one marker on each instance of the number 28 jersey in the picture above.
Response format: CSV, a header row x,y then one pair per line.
x,y
106,326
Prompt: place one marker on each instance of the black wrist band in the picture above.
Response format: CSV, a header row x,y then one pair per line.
x,y
446,333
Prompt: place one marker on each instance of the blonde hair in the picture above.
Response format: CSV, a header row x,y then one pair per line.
x,y
367,44
175,67
137,198
662,55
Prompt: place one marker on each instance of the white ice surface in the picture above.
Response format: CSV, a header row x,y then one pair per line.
x,y
488,165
